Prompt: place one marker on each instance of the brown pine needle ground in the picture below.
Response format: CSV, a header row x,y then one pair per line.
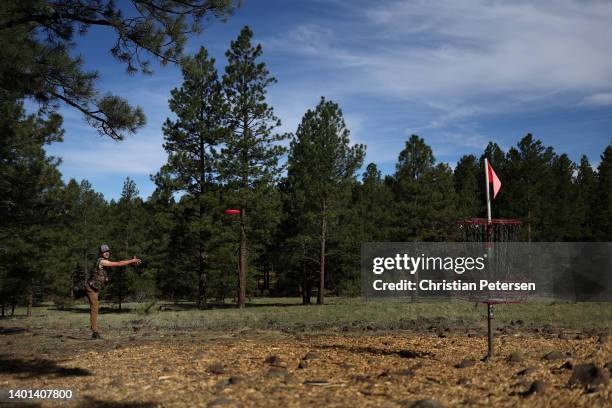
x,y
146,366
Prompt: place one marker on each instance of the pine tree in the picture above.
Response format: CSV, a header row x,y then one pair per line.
x,y
321,171
251,151
126,236
30,186
438,218
560,221
159,221
466,178
411,195
528,174
84,229
603,200
191,141
586,182
296,248
36,60
373,198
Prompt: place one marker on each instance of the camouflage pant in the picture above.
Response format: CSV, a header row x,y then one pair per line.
x,y
92,296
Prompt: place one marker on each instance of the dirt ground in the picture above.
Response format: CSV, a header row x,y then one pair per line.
x,y
148,368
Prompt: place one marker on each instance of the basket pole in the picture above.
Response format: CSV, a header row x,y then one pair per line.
x,y
490,330
489,239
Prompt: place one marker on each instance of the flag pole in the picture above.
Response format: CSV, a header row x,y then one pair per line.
x,y
488,246
487,188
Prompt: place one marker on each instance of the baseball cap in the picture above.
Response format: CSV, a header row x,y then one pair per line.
x,y
104,248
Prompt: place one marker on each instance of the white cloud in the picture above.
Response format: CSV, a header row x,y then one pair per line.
x,y
471,55
598,99
137,155
399,67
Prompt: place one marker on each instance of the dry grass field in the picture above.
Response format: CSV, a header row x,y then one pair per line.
x,y
348,353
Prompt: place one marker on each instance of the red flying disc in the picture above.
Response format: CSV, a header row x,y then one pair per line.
x,y
231,212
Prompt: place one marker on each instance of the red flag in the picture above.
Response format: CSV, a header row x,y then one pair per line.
x,y
493,179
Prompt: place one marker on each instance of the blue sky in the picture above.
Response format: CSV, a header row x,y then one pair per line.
x,y
458,73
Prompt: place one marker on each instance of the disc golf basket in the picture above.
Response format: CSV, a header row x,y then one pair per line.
x,y
496,236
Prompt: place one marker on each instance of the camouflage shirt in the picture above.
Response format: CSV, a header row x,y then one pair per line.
x,y
98,276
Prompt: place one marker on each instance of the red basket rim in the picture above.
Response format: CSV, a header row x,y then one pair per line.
x,y
484,221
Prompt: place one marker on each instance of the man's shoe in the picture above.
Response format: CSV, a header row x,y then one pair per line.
x,y
96,335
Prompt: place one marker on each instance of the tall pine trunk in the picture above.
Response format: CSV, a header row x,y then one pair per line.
x,y
323,239
306,284
71,292
243,216
242,260
30,300
201,303
202,278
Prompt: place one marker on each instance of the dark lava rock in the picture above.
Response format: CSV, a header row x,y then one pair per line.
x,y
568,365
414,354
217,368
220,402
236,379
589,374
276,372
426,403
602,339
466,363
553,355
303,364
564,336
514,358
276,361
538,386
406,373
463,381
311,356
408,354
525,372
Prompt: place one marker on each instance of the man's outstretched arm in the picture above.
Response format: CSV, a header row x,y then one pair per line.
x,y
125,262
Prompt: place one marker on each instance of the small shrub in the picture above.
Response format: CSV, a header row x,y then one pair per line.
x,y
146,308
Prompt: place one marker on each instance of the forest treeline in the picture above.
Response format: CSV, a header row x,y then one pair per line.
x,y
307,200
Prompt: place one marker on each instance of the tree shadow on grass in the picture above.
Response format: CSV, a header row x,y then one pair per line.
x,y
380,352
102,310
181,307
176,307
12,330
90,402
38,367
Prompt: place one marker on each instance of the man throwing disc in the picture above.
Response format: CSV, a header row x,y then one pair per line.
x,y
97,279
